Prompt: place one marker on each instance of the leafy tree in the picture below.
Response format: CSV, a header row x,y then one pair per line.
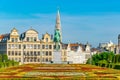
x,y
110,57
105,55
116,58
0,58
4,58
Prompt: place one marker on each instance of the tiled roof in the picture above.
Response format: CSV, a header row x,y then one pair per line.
x,y
7,36
73,46
1,37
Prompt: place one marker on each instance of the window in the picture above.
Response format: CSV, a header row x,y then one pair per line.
x,y
38,46
35,46
15,59
27,60
19,59
24,53
16,39
35,39
34,60
31,39
27,53
50,46
12,53
43,59
46,39
46,53
46,46
12,46
43,46
16,53
43,53
31,46
38,52
54,47
19,46
34,53
19,53
46,59
28,46
31,53
64,59
12,39
38,60
50,59
27,38
50,53
30,60
8,52
24,46
15,46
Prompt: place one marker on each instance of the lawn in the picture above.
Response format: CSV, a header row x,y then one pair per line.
x,y
59,71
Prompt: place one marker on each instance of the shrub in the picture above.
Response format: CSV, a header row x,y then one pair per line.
x,y
117,66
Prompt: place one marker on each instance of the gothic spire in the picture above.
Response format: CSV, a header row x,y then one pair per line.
x,y
58,23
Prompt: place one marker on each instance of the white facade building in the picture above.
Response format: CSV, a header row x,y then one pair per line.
x,y
78,55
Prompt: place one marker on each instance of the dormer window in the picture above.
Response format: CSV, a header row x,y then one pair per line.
x,y
35,39
27,38
31,39
12,39
16,39
46,39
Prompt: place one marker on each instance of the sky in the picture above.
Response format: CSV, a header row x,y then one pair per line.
x,y
82,21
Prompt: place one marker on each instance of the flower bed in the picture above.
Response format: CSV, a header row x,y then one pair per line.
x,y
59,71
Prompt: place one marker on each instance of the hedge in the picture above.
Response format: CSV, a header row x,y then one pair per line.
x,y
117,66
8,64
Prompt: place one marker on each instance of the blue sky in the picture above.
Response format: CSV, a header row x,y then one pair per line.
x,y
82,20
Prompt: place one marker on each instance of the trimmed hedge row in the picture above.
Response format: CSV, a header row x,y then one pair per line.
x,y
5,62
105,59
8,64
109,65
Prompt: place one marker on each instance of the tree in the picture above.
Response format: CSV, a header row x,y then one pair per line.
x,y
107,57
104,55
110,57
0,58
4,58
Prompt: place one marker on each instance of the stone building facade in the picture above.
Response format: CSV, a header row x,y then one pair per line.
x,y
27,48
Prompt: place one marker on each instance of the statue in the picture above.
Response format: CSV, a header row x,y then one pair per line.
x,y
57,39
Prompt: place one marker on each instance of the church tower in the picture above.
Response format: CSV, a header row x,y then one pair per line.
x,y
58,25
57,34
57,53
